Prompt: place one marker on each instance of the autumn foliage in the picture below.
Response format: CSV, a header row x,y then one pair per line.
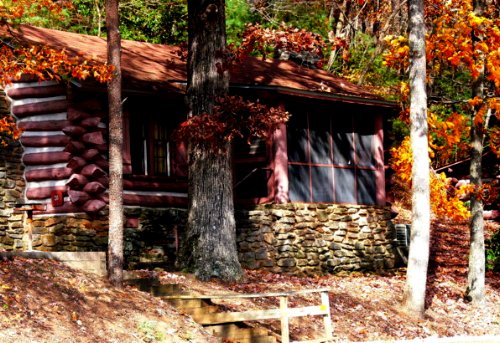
x,y
261,40
232,117
451,27
19,60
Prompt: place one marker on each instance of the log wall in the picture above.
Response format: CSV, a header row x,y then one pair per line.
x,y
65,150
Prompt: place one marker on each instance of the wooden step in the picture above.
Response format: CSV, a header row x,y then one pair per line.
x,y
235,333
197,311
254,339
233,330
187,303
167,289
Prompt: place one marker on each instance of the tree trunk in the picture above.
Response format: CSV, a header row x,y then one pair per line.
x,y
115,243
476,275
209,247
416,276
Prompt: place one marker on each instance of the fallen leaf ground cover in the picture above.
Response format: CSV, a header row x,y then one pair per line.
x,y
45,301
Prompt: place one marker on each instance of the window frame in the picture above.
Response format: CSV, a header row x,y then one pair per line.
x,y
335,166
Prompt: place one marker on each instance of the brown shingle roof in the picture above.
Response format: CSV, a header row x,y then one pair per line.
x,y
161,64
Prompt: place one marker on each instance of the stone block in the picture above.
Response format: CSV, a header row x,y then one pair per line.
x,y
49,240
302,262
261,255
286,262
284,248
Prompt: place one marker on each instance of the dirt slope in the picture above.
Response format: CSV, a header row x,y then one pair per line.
x,y
44,301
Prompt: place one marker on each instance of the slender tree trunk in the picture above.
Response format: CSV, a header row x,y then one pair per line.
x,y
476,276
416,276
115,243
209,247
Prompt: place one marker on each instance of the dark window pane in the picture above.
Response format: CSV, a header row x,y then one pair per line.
x,y
297,138
367,187
364,140
250,180
299,183
344,185
342,140
320,138
322,184
137,145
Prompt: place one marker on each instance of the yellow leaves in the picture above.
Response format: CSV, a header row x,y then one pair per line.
x,y
475,21
444,203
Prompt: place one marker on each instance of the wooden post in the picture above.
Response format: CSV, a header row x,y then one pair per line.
x,y
27,210
285,335
28,225
327,319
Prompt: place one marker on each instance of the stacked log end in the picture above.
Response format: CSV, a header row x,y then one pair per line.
x,y
88,184
64,145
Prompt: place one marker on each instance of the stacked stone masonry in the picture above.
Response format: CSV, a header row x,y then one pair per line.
x,y
311,239
301,239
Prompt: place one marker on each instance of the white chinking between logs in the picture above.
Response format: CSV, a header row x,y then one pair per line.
x,y
60,144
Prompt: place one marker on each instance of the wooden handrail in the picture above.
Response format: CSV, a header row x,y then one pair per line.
x,y
283,313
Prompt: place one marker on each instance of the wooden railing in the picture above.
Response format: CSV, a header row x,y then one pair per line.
x,y
283,313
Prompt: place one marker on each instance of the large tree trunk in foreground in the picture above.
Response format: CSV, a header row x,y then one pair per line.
x,y
115,243
476,275
209,247
418,259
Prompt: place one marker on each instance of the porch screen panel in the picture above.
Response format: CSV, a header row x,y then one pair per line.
x,y
322,184
345,185
366,187
343,144
298,139
364,140
299,189
320,139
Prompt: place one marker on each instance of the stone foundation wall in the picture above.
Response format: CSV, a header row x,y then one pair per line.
x,y
11,190
315,238
301,239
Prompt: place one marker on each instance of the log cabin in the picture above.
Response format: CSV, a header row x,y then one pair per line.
x,y
326,163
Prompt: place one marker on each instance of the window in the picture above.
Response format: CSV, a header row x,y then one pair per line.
x,y
152,150
251,171
331,157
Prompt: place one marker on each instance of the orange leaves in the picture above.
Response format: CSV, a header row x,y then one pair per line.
x,y
444,202
8,131
44,63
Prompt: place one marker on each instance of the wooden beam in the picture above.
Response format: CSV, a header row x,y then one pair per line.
x,y
231,317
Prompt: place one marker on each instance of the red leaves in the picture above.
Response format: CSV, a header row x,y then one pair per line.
x,y
232,117
286,38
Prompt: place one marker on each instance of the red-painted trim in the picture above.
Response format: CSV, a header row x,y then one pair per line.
x,y
379,160
280,164
127,156
153,201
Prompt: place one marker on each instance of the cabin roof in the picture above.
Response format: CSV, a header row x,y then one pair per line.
x,y
160,66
